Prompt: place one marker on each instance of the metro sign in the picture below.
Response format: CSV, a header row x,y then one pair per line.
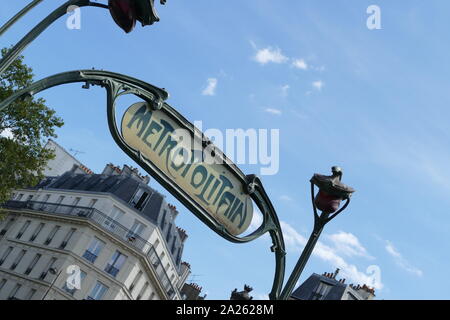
x,y
198,168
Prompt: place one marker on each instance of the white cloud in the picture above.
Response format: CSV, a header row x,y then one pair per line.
x,y
285,198
210,89
300,64
318,84
348,244
284,90
295,242
401,261
270,54
273,111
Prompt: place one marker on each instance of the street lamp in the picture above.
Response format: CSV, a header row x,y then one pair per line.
x,y
53,271
331,192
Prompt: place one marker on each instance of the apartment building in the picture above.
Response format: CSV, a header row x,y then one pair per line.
x,y
82,235
328,287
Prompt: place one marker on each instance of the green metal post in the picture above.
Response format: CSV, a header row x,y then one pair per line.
x,y
33,34
301,263
19,15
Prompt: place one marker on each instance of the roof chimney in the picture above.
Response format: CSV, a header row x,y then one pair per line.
x,y
336,273
182,233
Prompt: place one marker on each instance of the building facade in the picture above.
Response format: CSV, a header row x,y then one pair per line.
x,y
327,287
62,162
82,235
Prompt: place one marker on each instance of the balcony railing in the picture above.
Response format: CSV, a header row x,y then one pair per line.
x,y
112,270
89,256
103,221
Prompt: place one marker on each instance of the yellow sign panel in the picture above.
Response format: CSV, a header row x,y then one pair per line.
x,y
177,153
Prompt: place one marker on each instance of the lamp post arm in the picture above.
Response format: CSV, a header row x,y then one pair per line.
x,y
19,15
304,257
33,34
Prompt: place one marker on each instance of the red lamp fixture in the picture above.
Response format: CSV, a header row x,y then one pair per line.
x,y
126,12
331,191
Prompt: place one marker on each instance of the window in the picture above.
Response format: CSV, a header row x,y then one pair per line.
x,y
23,229
168,233
136,229
7,226
92,203
178,260
142,292
18,259
350,296
140,199
114,217
2,283
156,244
15,290
321,292
33,263
30,197
30,294
51,235
72,288
37,231
93,250
174,245
19,197
135,281
116,262
154,258
163,220
5,255
50,264
98,291
74,204
46,198
60,199
67,238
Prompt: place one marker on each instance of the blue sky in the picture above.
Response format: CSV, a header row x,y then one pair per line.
x,y
374,102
